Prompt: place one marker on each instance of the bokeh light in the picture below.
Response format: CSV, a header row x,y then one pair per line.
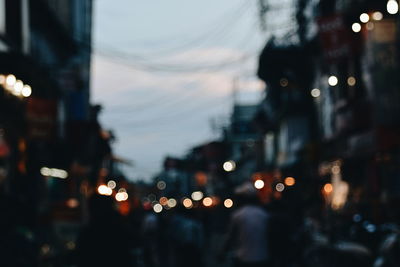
x,y
207,202
229,166
356,27
259,184
290,181
364,17
197,195
111,184
157,208
172,202
392,7
187,203
351,81
332,80
228,203
328,188
315,92
104,190
121,196
279,187
161,185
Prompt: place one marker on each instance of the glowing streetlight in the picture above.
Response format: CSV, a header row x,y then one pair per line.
x,y
229,166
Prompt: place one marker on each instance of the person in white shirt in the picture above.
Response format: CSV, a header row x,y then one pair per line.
x,y
248,230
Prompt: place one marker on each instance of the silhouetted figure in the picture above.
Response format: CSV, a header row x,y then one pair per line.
x,y
187,233
248,230
105,241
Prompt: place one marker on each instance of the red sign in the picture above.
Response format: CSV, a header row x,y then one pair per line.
x,y
334,37
42,118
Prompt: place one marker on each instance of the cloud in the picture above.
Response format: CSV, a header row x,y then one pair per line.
x,y
155,114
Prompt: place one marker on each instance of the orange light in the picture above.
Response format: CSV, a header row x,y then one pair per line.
x,y
290,181
207,201
187,203
163,201
328,188
228,203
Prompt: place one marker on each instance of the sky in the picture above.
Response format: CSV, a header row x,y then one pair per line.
x,y
163,70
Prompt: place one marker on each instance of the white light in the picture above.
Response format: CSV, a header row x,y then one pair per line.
x,y
157,208
377,16
161,185
259,184
197,195
172,202
229,166
392,7
103,190
315,92
26,91
121,196
56,173
332,80
62,174
2,79
280,187
111,184
18,85
356,27
10,80
228,203
364,17
45,171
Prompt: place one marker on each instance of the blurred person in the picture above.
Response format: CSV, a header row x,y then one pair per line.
x,y
150,232
187,233
105,241
248,230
